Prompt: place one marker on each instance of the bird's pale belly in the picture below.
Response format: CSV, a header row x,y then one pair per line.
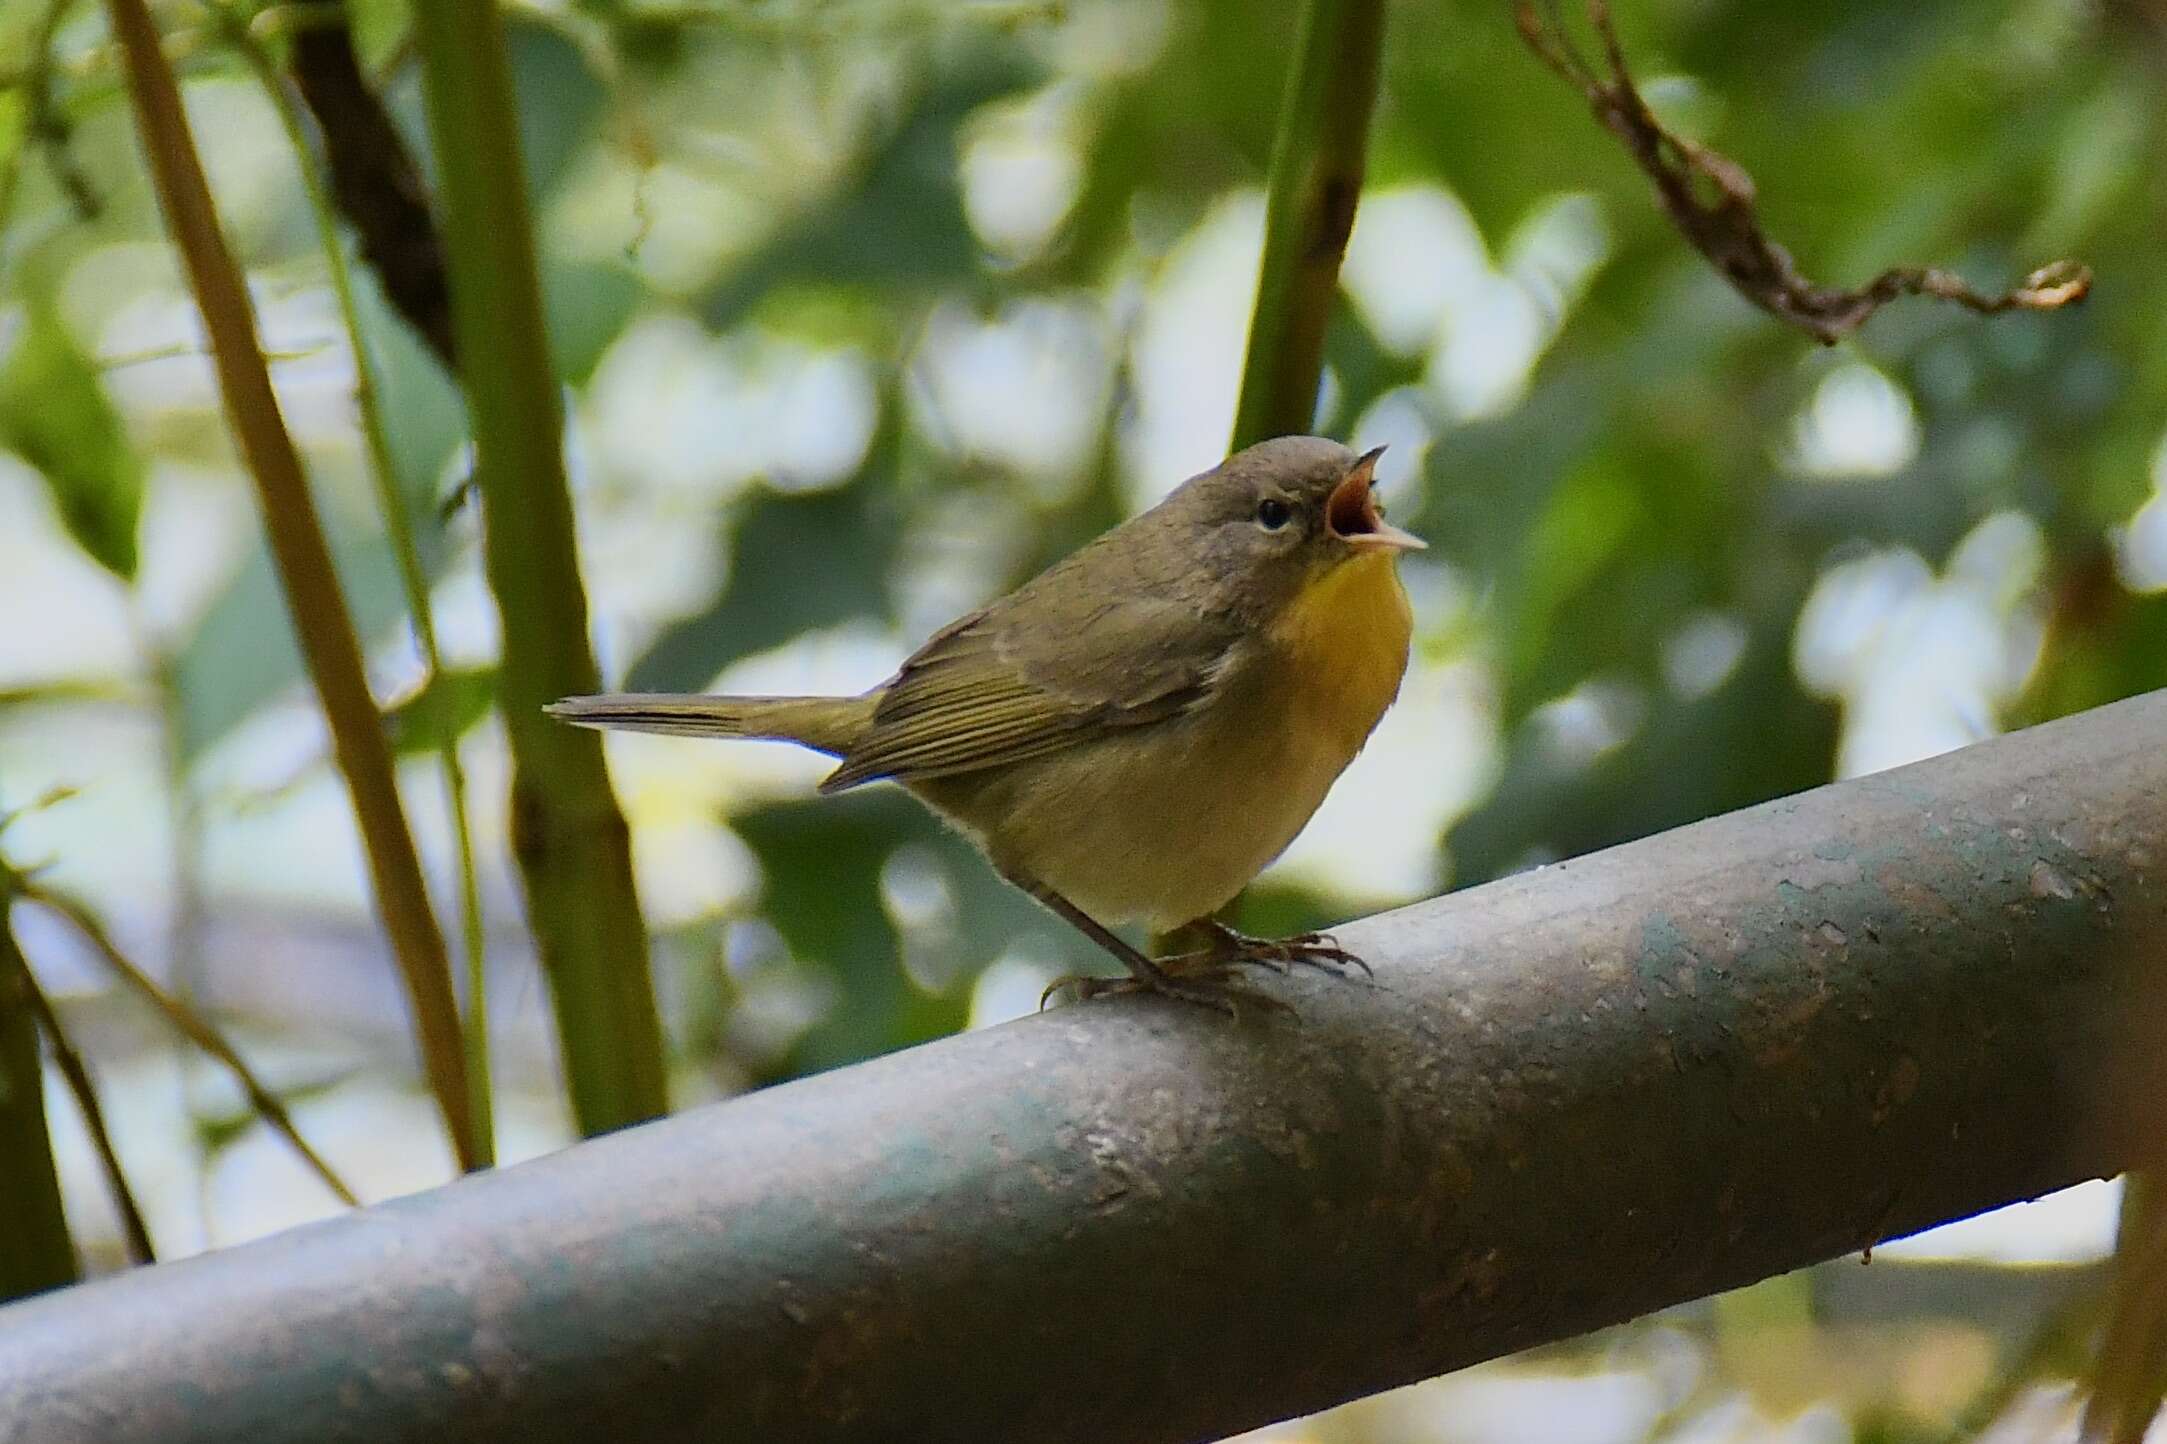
x,y
1164,823
1160,825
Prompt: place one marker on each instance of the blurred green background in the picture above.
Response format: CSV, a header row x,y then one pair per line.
x,y
865,310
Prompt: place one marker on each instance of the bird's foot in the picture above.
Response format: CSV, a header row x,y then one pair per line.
x,y
1192,979
1229,949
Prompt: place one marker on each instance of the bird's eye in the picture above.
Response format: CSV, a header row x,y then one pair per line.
x,y
1272,513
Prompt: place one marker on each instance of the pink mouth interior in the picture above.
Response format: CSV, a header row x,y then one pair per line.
x,y
1350,511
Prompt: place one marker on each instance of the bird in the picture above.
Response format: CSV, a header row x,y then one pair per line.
x,y
1135,733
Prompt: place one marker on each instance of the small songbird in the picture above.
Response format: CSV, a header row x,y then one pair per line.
x,y
1132,735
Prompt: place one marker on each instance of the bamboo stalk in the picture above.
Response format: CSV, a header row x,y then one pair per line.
x,y
1316,180
35,1251
321,622
391,500
568,834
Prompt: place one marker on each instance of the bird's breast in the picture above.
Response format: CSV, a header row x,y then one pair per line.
x,y
1164,823
1342,645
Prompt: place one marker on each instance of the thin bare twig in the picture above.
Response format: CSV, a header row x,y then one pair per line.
x,y
190,1025
76,1074
1710,198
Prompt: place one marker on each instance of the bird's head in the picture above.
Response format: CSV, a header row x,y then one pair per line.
x,y
1286,514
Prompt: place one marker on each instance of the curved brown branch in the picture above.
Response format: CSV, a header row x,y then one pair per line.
x,y
1710,198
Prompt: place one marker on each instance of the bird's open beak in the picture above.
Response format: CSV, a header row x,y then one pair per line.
x,y
1351,514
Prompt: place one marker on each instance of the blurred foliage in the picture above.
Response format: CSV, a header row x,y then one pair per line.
x,y
54,415
833,549
1635,519
447,707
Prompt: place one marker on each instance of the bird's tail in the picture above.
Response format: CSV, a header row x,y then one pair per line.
x,y
825,724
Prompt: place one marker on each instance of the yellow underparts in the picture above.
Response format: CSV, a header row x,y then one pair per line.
x,y
1345,639
1163,824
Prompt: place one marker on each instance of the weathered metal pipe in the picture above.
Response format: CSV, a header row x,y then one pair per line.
x,y
1570,1097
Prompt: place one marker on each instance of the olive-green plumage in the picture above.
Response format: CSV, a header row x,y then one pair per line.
x,y
1136,732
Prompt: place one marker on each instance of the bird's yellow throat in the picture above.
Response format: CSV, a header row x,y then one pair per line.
x,y
1346,638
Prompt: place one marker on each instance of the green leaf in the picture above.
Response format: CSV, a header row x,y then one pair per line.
x,y
585,304
55,414
444,710
380,26
559,95
220,1129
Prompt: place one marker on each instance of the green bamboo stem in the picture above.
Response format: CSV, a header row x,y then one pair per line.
x,y
321,622
1316,180
35,1251
391,500
474,946
568,834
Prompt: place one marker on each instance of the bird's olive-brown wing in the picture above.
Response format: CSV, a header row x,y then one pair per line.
x,y
1016,681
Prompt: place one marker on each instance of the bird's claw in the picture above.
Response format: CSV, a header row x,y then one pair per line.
x,y
1209,985
1307,950
1207,977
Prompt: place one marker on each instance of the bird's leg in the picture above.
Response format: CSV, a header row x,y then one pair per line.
x,y
1225,948
1206,986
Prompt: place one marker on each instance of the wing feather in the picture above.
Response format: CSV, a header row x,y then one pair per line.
x,y
1004,685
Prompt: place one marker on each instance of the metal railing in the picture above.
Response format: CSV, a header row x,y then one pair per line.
x,y
1568,1098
